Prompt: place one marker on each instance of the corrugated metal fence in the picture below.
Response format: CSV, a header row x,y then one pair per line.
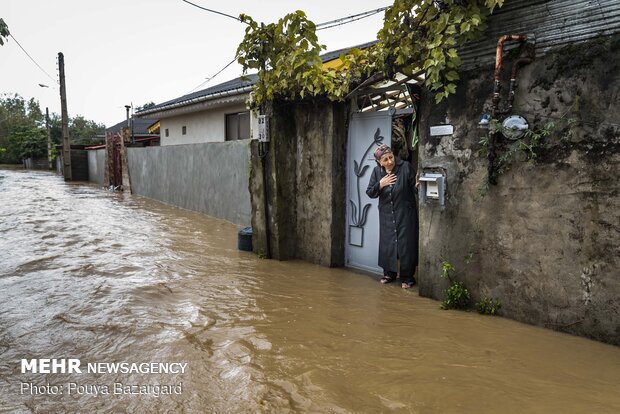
x,y
553,23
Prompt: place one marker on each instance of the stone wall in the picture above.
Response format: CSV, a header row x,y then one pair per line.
x,y
545,239
306,184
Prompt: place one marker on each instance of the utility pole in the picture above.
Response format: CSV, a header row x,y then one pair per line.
x,y
129,122
66,143
49,137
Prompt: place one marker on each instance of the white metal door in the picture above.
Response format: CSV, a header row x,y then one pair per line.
x,y
366,132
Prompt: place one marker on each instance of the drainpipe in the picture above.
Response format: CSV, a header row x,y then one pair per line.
x,y
496,98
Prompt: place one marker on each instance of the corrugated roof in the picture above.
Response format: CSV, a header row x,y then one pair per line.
x,y
552,23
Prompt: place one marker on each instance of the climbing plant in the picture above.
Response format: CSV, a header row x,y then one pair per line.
x,y
417,35
4,32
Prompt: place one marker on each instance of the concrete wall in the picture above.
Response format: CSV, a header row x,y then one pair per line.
x,y
206,126
305,186
545,239
211,178
96,165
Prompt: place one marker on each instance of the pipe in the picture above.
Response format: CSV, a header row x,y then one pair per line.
x,y
499,51
513,81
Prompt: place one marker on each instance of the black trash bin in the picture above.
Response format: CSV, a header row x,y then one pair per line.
x,y
244,239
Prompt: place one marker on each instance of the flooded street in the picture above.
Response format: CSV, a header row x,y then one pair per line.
x,y
103,277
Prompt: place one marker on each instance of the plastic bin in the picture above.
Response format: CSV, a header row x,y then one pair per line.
x,y
244,239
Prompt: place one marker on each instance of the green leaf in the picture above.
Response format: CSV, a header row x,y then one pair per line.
x,y
452,75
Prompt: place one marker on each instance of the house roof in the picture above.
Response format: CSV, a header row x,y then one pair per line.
x,y
140,126
237,86
242,84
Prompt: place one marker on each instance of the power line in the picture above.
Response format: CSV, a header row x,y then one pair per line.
x,y
211,78
348,19
214,11
34,61
320,26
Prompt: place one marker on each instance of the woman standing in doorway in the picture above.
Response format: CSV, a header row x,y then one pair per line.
x,y
394,182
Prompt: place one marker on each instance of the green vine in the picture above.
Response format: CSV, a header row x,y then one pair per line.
x,y
4,32
418,36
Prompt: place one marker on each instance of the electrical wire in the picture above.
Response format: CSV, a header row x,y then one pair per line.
x,y
214,11
320,26
34,61
348,19
212,77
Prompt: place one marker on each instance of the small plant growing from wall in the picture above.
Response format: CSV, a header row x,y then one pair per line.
x,y
522,149
488,306
457,295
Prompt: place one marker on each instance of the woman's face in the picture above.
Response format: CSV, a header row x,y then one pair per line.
x,y
387,161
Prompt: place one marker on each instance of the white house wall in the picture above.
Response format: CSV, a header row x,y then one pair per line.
x,y
205,126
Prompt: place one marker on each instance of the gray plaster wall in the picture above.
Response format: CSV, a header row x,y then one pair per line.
x,y
210,178
545,239
96,165
305,184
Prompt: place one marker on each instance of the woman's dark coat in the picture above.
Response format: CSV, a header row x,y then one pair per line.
x,y
398,218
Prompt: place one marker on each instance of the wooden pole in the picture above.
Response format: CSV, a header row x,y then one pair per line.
x,y
66,143
107,171
49,138
125,137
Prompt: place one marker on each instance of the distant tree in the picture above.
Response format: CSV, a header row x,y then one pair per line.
x,y
4,32
145,106
22,129
84,131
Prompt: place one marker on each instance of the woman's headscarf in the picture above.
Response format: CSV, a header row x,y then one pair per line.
x,y
381,151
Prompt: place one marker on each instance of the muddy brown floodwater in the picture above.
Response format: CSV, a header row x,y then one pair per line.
x,y
103,277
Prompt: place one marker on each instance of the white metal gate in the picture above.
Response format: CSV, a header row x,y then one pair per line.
x,y
366,132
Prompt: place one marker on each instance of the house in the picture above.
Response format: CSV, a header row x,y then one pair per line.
x,y
215,114
542,240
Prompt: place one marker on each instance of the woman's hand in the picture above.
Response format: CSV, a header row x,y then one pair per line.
x,y
389,179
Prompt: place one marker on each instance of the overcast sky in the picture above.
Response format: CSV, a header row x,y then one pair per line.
x,y
122,52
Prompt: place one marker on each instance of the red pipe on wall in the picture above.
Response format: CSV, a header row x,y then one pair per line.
x,y
499,51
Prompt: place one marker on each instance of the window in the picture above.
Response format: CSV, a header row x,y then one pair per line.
x,y
184,130
238,126
167,132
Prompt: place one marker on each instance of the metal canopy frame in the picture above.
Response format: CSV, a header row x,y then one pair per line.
x,y
377,93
